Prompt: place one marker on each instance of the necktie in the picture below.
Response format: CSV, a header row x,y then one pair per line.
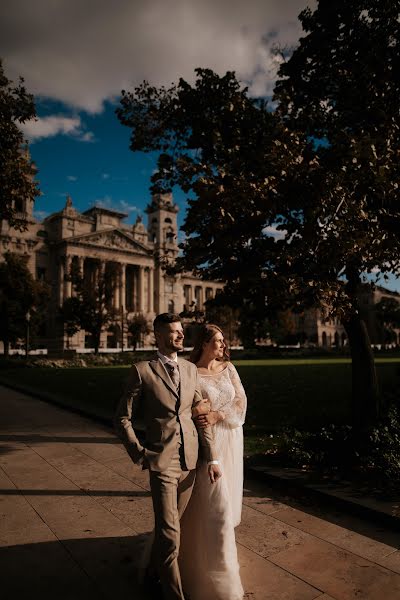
x,y
173,372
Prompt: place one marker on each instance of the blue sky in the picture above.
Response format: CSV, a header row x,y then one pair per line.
x,y
101,170
77,55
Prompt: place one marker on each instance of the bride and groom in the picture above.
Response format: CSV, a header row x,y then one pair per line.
x,y
196,503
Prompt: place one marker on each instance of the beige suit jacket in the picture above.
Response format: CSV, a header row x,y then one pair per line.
x,y
150,397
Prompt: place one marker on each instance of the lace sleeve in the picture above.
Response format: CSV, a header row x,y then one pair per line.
x,y
236,412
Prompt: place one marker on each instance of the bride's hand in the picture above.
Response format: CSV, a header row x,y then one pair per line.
x,y
210,419
214,473
202,408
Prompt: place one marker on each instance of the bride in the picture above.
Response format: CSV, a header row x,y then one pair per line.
x,y
208,556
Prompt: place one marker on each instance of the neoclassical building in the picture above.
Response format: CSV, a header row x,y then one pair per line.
x,y
98,241
311,327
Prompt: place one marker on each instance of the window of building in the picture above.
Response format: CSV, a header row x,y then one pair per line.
x,y
19,205
41,273
187,294
209,293
169,286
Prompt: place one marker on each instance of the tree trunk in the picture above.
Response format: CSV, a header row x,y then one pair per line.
x,y
365,392
6,344
96,340
366,406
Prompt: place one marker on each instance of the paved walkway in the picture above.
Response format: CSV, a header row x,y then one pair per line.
x,y
73,511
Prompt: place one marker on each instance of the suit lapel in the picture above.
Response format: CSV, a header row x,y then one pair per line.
x,y
183,378
159,369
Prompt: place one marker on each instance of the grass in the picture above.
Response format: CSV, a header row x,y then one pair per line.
x,y
304,393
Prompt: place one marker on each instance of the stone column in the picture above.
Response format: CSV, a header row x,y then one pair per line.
x,y
100,270
151,290
61,272
68,282
122,287
141,289
81,263
201,298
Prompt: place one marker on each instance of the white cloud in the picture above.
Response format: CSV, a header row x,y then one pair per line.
x,y
120,205
274,232
105,176
40,214
52,125
88,136
83,53
72,178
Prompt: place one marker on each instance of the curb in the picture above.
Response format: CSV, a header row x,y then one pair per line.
x,y
299,487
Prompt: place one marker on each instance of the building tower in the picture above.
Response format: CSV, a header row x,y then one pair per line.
x,y
163,235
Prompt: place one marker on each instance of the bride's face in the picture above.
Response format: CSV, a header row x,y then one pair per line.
x,y
216,346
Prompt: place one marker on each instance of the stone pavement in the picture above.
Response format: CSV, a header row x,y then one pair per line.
x,y
74,511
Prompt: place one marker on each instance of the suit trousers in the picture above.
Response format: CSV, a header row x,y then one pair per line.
x,y
171,490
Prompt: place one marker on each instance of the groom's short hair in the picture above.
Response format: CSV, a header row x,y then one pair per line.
x,y
164,319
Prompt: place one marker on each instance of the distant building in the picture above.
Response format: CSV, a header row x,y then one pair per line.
x,y
94,239
312,328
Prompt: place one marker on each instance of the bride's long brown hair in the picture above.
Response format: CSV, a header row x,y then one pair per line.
x,y
204,335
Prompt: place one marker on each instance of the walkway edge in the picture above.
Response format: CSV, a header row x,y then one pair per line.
x,y
335,497
295,486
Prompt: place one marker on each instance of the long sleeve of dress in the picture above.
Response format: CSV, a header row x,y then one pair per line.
x,y
235,411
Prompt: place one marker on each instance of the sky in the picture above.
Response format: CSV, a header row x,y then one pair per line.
x,y
77,55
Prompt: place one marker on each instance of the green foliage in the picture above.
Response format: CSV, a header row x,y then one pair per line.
x,y
91,306
70,314
20,295
284,204
138,327
373,455
340,90
384,444
228,151
16,169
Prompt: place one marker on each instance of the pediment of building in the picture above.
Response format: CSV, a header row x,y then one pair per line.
x,y
110,239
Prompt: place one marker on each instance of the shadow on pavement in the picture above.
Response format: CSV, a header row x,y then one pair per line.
x,y
265,498
81,569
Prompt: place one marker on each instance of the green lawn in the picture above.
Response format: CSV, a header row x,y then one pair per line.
x,y
296,392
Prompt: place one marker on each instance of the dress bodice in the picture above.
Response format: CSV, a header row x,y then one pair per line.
x,y
226,393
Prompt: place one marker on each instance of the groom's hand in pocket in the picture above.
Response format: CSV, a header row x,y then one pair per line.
x,y
214,473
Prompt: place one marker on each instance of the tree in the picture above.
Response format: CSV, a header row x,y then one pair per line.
x,y
291,208
226,317
20,296
138,327
229,152
16,168
340,92
70,314
91,306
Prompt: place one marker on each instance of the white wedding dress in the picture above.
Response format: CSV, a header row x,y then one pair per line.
x,y
208,556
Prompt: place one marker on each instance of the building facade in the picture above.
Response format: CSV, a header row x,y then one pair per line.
x,y
98,241
313,328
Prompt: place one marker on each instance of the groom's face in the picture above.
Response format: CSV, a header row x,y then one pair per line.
x,y
170,338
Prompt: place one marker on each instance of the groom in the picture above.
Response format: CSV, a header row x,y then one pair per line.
x,y
162,393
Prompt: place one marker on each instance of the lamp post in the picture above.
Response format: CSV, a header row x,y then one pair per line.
x,y
27,318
